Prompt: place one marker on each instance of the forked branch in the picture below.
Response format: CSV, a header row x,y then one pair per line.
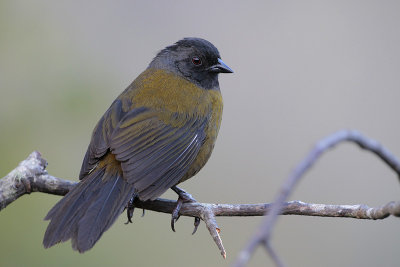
x,y
31,176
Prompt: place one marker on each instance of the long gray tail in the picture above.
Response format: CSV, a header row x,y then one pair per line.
x,y
89,209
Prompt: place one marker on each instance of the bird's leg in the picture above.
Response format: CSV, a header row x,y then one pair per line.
x,y
183,197
130,209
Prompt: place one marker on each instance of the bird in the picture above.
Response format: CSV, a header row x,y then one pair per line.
x,y
159,132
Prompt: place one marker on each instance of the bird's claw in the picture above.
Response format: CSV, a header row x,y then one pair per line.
x,y
130,209
175,213
183,197
196,224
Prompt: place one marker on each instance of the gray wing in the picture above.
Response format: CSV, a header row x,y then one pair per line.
x,y
154,155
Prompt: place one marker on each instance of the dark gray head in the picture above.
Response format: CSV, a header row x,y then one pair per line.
x,y
196,59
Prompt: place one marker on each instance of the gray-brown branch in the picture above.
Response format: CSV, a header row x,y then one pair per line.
x,y
263,234
31,176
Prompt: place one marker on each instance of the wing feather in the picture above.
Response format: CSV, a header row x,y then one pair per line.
x,y
155,155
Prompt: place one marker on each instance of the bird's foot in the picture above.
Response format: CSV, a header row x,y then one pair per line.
x,y
130,209
183,197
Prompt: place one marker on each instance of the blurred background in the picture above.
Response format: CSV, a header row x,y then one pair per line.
x,y
303,69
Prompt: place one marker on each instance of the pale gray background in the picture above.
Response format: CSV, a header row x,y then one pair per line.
x,y
303,69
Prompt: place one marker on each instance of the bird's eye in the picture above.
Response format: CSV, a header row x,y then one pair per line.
x,y
196,61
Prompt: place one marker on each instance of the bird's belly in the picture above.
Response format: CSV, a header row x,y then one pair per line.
x,y
211,131
201,159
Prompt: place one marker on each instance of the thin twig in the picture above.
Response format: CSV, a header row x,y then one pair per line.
x,y
262,236
275,258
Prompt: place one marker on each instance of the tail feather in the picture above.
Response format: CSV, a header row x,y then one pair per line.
x,y
88,210
102,213
66,211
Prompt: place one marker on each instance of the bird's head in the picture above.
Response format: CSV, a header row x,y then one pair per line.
x,y
195,59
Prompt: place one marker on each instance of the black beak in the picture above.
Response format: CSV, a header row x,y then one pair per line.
x,y
221,67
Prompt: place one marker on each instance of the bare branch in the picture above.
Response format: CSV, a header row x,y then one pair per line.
x,y
262,236
31,176
289,208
